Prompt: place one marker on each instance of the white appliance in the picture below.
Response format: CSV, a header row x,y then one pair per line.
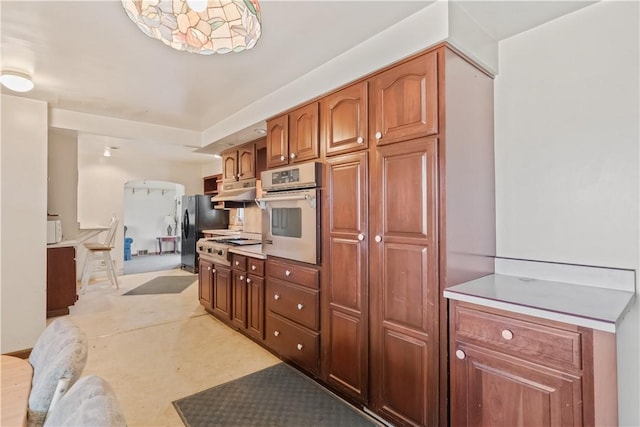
x,y
54,231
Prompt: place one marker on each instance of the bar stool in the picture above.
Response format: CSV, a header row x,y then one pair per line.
x,y
99,257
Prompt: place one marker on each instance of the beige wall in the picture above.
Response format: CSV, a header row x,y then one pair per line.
x,y
567,131
62,181
23,235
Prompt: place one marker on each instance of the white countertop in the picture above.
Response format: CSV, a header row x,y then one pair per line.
x,y
589,306
63,244
254,251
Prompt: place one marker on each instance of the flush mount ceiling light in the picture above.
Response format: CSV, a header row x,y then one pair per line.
x,y
199,26
17,82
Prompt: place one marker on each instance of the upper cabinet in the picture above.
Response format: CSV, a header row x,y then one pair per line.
x,y
404,100
293,137
344,120
211,184
239,163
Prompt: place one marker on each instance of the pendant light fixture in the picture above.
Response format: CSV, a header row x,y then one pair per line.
x,y
199,26
17,82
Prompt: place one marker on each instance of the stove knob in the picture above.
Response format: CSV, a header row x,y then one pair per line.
x,y
219,252
209,250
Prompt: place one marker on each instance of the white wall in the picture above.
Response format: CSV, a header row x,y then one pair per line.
x,y
101,183
62,195
567,133
145,212
23,235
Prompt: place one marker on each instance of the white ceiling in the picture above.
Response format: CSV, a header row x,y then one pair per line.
x,y
88,56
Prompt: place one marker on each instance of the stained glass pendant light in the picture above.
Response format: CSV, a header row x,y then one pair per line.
x,y
199,26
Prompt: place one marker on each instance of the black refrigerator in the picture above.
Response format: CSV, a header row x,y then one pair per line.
x,y
197,215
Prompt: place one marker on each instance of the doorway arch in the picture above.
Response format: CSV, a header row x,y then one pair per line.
x,y
152,209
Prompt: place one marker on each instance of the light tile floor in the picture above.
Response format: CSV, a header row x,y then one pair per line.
x,y
154,349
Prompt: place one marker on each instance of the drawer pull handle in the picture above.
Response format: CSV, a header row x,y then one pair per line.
x,y
276,333
241,278
287,273
293,155
360,140
507,335
460,354
276,297
237,262
213,271
299,346
282,158
378,239
248,280
378,135
300,306
361,237
253,267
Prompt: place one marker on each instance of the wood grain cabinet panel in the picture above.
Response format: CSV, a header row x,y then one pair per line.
x,y
296,303
255,306
278,141
344,116
239,299
61,280
293,342
205,284
239,163
303,133
404,101
345,314
222,291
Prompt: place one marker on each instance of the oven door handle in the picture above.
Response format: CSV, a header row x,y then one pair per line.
x,y
262,202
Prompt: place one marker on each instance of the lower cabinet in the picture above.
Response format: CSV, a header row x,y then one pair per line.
x,y
222,292
513,370
205,284
61,280
293,313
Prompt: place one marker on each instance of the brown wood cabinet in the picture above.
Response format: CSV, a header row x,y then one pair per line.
x,y
239,291
345,347
61,280
255,299
222,292
293,137
239,163
344,116
205,284
211,184
430,181
510,369
293,313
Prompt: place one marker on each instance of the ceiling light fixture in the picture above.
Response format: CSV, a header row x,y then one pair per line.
x,y
199,26
107,152
17,82
217,156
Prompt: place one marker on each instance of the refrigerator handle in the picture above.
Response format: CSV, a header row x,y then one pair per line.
x,y
185,224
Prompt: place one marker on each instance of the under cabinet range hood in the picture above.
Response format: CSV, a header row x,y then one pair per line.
x,y
237,191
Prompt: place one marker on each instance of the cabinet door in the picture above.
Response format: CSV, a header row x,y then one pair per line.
x,y
61,280
303,133
404,101
222,292
239,298
247,161
205,284
490,389
404,283
230,166
345,343
344,116
255,306
278,141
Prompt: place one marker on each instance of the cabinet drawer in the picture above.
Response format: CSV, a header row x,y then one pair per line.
x,y
255,266
293,302
239,262
539,343
304,276
293,342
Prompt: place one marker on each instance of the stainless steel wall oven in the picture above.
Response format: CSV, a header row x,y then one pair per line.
x,y
291,212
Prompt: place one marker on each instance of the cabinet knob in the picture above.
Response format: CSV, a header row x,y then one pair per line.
x,y
461,354
287,273
276,333
293,155
360,140
282,158
361,237
241,278
276,297
299,347
378,135
253,267
208,268
237,262
248,280
378,238
300,306
507,335
213,271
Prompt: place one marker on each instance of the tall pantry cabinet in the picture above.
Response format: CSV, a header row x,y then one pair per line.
x,y
409,212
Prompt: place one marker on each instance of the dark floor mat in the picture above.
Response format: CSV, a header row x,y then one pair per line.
x,y
278,396
164,285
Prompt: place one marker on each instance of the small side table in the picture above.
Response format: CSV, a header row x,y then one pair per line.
x,y
162,239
